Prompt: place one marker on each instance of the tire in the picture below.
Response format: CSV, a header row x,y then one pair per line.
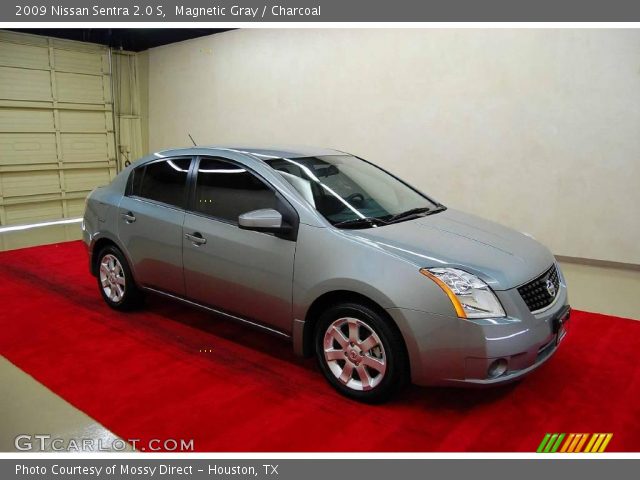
x,y
115,281
360,353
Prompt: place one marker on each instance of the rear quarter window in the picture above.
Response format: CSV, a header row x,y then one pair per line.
x,y
163,181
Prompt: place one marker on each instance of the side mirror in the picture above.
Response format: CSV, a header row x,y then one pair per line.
x,y
264,220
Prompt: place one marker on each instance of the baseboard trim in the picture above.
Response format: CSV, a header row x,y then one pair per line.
x,y
598,263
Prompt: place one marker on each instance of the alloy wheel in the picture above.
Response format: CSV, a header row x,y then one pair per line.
x,y
112,278
354,353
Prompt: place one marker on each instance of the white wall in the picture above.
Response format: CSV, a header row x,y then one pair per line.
x,y
537,129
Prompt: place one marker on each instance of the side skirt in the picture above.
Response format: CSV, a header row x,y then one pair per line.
x,y
251,323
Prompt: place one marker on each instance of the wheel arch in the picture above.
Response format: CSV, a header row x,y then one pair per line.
x,y
98,245
334,297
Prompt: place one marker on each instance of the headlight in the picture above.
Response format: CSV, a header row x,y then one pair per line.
x,y
471,297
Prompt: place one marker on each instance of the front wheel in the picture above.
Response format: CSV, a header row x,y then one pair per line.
x,y
360,353
115,280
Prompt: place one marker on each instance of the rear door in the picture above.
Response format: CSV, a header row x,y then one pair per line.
x,y
150,219
241,272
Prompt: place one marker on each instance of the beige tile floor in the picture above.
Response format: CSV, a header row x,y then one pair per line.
x,y
29,408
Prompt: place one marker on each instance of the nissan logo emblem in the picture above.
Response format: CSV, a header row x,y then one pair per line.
x,y
551,288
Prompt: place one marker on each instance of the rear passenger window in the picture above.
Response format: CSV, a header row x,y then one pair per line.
x,y
225,190
163,181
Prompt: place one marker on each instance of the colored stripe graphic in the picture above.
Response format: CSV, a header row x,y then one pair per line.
x,y
543,443
580,438
557,444
550,442
591,442
581,444
553,443
569,441
606,442
596,445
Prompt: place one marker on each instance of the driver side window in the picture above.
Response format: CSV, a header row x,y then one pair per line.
x,y
225,190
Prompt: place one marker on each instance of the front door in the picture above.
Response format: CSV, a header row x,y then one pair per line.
x,y
245,273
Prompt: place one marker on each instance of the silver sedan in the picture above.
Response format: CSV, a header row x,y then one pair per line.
x,y
379,281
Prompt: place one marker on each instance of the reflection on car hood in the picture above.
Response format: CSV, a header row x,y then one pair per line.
x,y
502,257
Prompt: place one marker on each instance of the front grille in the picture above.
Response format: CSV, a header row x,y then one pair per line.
x,y
536,294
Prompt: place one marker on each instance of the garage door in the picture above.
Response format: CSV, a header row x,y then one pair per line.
x,y
56,127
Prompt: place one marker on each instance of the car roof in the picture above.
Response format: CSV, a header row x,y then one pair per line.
x,y
263,152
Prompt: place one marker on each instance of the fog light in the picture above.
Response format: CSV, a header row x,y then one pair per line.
x,y
497,368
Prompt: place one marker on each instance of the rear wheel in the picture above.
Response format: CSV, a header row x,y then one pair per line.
x,y
360,354
115,280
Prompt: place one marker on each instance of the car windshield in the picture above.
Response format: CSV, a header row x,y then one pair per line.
x,y
352,193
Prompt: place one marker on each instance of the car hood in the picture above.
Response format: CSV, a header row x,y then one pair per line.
x,y
502,257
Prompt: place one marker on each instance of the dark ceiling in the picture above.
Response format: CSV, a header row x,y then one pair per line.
x,y
132,39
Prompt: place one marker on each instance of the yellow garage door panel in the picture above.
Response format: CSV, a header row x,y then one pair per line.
x,y
75,207
33,212
84,147
26,120
20,184
79,88
56,127
27,148
24,84
85,180
79,121
81,62
26,56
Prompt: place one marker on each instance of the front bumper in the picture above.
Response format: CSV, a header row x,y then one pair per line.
x,y
447,350
518,364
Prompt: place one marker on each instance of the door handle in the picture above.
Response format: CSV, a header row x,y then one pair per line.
x,y
196,238
129,217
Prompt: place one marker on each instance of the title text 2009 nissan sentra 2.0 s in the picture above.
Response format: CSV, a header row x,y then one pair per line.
x,y
379,281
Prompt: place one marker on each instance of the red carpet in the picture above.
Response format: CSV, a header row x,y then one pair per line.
x,y
142,375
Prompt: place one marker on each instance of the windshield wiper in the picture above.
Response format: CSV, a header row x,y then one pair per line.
x,y
415,212
408,213
361,222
